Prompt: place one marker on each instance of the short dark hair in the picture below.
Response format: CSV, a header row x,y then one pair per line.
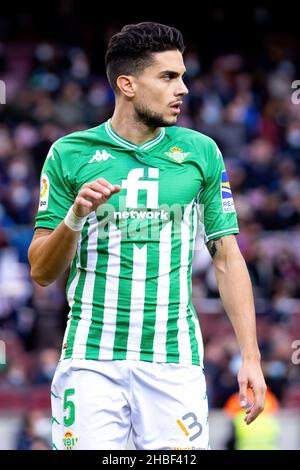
x,y
130,50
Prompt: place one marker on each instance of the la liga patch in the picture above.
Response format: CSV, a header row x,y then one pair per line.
x,y
44,192
226,194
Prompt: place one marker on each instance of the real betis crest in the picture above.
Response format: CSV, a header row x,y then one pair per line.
x,y
177,154
69,440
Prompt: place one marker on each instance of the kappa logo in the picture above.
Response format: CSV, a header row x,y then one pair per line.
x,y
177,154
101,156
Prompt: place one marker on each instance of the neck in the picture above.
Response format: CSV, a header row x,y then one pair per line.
x,y
125,123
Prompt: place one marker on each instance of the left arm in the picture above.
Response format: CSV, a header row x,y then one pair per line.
x,y
237,298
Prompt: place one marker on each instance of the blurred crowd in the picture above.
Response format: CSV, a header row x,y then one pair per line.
x,y
245,104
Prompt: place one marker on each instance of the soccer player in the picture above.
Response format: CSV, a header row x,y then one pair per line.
x,y
121,203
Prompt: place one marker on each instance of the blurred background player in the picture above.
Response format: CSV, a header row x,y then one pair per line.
x,y
263,435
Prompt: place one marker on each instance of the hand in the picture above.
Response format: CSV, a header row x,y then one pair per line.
x,y
251,376
92,195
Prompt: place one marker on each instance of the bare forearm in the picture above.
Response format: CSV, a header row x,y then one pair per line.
x,y
51,255
236,292
237,298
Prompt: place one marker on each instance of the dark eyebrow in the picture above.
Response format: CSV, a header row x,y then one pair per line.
x,y
173,73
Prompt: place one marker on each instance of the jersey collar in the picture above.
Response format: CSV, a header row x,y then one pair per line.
x,y
129,145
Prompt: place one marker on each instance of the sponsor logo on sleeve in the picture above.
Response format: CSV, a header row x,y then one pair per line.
x,y
226,194
44,195
101,156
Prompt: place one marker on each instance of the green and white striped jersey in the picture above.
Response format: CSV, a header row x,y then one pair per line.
x,y
129,289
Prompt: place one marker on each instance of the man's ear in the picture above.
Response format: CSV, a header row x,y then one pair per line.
x,y
126,85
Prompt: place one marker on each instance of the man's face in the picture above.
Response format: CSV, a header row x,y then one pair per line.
x,y
159,90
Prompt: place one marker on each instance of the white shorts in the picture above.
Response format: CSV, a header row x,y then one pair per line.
x,y
95,405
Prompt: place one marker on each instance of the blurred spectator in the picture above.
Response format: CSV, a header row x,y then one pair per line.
x,y
48,359
263,434
35,433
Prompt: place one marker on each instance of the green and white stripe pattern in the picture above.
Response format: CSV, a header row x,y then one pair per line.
x,y
134,302
130,296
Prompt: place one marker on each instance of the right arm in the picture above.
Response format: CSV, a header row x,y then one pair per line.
x,y
52,251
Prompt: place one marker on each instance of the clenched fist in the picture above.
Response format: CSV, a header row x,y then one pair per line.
x,y
92,195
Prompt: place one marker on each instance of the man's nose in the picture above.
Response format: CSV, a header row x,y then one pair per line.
x,y
183,90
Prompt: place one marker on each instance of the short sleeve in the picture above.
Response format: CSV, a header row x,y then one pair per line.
x,y
56,191
217,205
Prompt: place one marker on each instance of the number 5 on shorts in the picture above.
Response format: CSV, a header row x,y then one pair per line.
x,y
69,405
